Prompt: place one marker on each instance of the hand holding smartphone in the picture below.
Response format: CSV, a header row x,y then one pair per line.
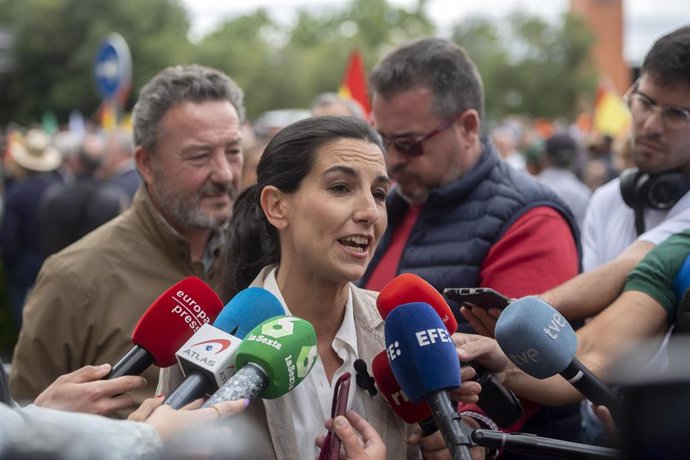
x,y
477,297
331,445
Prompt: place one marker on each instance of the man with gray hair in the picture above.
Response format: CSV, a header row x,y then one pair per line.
x,y
88,297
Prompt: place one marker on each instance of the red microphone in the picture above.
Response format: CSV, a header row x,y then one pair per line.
x,y
499,403
408,411
167,324
408,288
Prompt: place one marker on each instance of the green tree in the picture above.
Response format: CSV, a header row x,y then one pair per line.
x,y
56,41
528,66
283,66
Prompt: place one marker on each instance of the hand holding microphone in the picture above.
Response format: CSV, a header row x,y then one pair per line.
x,y
425,364
83,391
208,358
274,357
541,342
495,400
179,312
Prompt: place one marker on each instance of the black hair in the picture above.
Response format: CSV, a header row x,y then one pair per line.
x,y
668,61
437,64
288,158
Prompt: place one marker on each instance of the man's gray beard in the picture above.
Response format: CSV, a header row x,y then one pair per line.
x,y
183,212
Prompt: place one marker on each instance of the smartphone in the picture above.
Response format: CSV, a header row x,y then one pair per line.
x,y
479,297
331,446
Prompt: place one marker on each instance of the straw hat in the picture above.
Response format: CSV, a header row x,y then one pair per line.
x,y
34,152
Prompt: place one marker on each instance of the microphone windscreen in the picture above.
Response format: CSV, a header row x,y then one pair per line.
x,y
249,308
535,337
408,288
405,409
420,351
284,347
174,317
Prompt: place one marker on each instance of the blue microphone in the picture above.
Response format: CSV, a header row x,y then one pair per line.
x,y
208,358
426,365
249,308
541,342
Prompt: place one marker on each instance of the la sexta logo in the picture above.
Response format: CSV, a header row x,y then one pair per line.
x,y
215,346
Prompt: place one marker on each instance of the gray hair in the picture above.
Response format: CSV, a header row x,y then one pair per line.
x,y
437,64
175,85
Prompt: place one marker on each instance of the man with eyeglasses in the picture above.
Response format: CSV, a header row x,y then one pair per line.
x,y
631,215
460,216
649,201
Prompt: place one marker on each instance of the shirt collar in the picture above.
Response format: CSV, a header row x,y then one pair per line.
x,y
346,337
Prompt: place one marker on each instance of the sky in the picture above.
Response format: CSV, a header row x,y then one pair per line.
x,y
644,20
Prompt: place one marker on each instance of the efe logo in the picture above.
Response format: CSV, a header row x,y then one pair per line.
x,y
393,350
431,336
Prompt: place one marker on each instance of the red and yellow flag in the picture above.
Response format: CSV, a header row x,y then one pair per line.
x,y
611,115
354,85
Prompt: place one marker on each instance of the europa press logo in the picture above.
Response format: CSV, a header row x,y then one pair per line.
x,y
213,346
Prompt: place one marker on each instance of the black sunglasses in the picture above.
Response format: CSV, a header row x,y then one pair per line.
x,y
412,146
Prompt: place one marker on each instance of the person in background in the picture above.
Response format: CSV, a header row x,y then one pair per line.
x,y
505,141
20,233
560,154
334,105
89,296
67,212
119,168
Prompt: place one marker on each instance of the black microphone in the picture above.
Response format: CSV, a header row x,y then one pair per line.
x,y
530,444
363,379
498,402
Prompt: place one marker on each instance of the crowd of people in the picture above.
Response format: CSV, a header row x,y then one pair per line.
x,y
323,215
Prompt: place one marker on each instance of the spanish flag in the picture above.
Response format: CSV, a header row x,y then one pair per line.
x,y
611,115
354,85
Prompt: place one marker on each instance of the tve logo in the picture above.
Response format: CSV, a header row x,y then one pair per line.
x,y
525,357
431,336
555,326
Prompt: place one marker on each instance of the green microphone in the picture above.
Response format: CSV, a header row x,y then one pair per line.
x,y
273,358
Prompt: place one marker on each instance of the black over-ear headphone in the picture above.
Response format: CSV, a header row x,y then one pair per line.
x,y
660,191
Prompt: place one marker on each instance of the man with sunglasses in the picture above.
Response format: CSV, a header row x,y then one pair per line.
x,y
460,216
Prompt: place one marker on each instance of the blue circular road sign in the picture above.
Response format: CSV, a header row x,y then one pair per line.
x,y
112,67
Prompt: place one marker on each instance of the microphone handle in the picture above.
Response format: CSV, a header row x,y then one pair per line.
x,y
450,423
591,387
135,362
498,402
247,383
428,426
531,444
194,386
